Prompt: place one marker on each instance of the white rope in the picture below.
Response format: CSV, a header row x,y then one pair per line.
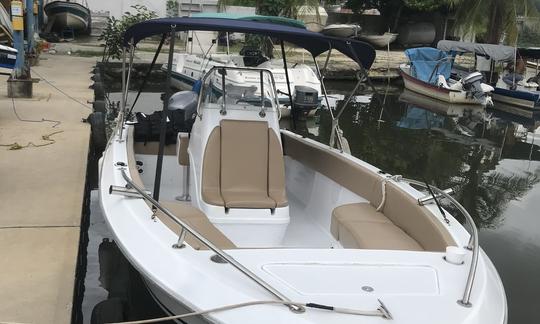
x,y
383,200
378,312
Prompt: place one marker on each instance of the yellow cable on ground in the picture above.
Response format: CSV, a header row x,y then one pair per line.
x,y
16,146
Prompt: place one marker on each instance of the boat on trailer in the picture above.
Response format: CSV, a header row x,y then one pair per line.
x,y
246,220
525,96
428,73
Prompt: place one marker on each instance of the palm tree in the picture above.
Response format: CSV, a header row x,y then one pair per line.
x,y
493,18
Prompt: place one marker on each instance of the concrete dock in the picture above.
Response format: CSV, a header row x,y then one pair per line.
x,y
41,190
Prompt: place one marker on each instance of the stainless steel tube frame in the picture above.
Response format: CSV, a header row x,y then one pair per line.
x,y
210,245
473,241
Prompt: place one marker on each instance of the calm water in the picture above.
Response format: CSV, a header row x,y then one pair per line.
x,y
491,160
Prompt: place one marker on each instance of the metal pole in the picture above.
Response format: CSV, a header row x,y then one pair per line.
x,y
211,246
159,165
30,26
288,83
123,99
40,14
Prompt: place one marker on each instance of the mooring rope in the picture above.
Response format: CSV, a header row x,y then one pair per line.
x,y
381,312
383,200
47,137
61,91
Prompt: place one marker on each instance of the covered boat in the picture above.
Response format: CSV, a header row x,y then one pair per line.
x,y
524,95
428,73
247,222
73,14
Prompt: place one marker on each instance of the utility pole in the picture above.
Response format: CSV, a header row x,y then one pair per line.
x,y
20,83
30,27
18,37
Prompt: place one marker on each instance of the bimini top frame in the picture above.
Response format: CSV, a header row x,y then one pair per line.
x,y
315,43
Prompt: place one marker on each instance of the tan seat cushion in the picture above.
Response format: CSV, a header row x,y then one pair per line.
x,y
360,226
243,166
198,221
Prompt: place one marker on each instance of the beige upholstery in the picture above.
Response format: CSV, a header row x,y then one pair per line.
x,y
182,145
198,221
350,175
243,166
403,224
152,148
212,169
361,226
191,215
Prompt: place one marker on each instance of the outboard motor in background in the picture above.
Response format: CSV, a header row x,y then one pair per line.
x,y
305,99
473,84
183,110
181,115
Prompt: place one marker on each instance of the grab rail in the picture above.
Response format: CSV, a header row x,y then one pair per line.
x,y
186,228
473,241
224,67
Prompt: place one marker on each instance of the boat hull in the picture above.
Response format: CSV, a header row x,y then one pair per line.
x,y
433,91
379,40
68,15
8,57
521,99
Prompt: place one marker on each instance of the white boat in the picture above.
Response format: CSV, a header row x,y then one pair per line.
x,y
379,40
8,57
341,30
189,68
273,227
428,73
67,14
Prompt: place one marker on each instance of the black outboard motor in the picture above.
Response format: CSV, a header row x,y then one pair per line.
x,y
183,110
472,83
305,99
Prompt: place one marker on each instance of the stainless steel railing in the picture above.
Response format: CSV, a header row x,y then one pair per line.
x,y
188,229
473,241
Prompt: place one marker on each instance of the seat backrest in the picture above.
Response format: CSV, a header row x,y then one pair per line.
x,y
245,159
244,156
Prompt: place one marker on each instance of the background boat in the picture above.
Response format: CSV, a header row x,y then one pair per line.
x,y
6,29
341,30
67,14
379,40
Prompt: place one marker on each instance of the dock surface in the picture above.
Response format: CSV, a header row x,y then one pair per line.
x,y
42,191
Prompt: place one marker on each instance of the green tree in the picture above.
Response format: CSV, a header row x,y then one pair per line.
x,y
491,19
113,34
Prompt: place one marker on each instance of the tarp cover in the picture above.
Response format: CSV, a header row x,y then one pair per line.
x,y
427,63
315,43
494,52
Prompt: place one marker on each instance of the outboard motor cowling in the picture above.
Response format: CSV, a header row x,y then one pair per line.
x,y
473,83
183,110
